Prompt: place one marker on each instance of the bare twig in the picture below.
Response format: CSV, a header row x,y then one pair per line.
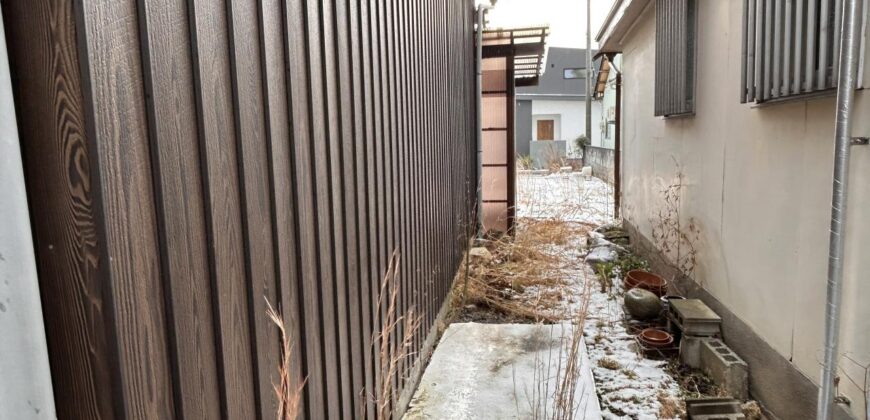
x,y
670,235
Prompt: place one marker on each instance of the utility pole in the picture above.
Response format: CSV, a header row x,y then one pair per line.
x,y
589,71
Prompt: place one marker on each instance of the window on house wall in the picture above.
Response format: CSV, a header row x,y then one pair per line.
x,y
790,48
575,73
676,28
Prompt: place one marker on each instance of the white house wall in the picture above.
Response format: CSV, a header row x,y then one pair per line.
x,y
572,121
25,381
758,188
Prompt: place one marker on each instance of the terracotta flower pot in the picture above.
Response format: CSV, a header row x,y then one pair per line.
x,y
646,280
655,337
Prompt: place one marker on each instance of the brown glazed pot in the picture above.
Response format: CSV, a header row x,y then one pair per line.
x,y
655,337
646,280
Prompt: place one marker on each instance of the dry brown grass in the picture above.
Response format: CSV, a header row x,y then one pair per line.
x,y
534,257
288,390
609,363
392,342
670,407
752,410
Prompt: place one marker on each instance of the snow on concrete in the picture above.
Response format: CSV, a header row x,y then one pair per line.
x,y
507,371
567,196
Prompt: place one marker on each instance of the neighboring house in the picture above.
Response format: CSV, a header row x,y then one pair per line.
x,y
551,115
746,134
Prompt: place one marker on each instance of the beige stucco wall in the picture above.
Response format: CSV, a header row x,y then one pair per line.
x,y
758,186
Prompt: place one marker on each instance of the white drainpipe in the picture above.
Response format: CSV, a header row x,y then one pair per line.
x,y
845,96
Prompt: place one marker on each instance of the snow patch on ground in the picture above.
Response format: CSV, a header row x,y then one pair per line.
x,y
633,389
564,196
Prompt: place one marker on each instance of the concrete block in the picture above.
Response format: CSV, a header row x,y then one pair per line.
x,y
725,367
714,409
690,351
693,317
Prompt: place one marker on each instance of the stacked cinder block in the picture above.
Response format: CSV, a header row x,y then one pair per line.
x,y
714,409
725,367
700,349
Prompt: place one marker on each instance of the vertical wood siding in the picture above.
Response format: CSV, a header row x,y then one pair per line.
x,y
192,159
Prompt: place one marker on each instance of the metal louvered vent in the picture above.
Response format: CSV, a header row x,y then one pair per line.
x,y
790,47
675,57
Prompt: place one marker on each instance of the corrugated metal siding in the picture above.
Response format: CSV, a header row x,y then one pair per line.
x,y
790,47
675,57
192,157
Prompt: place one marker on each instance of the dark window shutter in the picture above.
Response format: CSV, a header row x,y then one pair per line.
x,y
790,48
675,57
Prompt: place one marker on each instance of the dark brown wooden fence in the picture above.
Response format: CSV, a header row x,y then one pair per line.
x,y
187,158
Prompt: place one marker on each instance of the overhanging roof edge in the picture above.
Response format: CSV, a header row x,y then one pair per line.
x,y
618,23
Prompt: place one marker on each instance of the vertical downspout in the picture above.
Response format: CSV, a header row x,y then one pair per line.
x,y
845,97
481,12
617,146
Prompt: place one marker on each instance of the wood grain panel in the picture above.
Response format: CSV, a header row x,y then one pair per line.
x,y
416,139
429,164
117,132
166,54
335,137
368,216
255,184
376,178
47,81
210,156
401,171
322,200
388,84
306,226
215,110
361,163
278,131
348,115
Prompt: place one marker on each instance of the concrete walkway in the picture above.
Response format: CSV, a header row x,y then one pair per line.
x,y
505,371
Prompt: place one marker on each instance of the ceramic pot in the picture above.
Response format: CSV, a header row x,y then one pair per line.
x,y
646,280
655,337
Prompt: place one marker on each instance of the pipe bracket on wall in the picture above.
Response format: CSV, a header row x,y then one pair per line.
x,y
860,141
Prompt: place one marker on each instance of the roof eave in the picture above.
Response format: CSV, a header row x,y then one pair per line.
x,y
618,24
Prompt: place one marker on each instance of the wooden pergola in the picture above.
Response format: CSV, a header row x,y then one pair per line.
x,y
511,58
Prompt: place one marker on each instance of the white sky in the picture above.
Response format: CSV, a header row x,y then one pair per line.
x,y
567,18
